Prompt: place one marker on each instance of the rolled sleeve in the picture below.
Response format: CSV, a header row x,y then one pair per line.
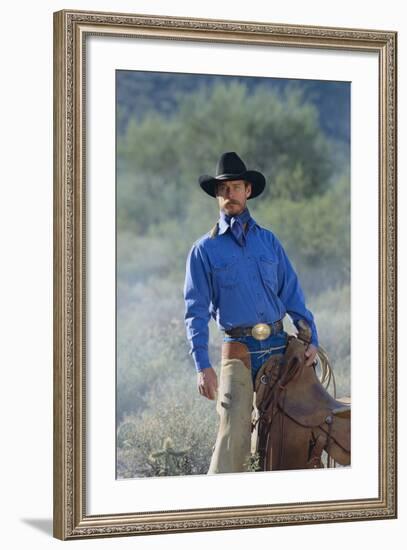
x,y
197,296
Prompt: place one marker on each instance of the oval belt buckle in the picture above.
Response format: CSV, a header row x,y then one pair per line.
x,y
261,331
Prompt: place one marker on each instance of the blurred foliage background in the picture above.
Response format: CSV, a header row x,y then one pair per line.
x,y
171,128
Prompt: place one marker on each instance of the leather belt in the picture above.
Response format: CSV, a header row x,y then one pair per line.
x,y
261,331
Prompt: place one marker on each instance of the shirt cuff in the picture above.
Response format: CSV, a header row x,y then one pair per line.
x,y
201,359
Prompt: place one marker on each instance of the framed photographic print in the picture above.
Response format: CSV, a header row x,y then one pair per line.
x,y
161,126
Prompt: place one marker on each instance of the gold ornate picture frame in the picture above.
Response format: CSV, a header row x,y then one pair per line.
x,y
72,519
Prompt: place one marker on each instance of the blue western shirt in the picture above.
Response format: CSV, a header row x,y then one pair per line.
x,y
239,286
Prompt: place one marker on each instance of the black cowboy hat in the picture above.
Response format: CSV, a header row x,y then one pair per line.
x,y
231,167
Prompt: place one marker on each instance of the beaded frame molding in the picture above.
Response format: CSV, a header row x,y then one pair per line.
x,y
71,28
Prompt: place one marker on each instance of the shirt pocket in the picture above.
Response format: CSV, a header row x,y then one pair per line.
x,y
226,274
268,270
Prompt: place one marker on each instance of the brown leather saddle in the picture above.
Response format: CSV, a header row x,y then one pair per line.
x,y
297,419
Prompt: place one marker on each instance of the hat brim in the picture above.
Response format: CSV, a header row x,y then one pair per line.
x,y
258,181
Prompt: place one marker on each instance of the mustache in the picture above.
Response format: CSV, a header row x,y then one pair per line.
x,y
232,202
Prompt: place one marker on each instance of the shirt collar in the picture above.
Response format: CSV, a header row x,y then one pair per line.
x,y
225,220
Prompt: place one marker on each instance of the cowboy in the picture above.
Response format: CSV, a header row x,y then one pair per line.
x,y
240,275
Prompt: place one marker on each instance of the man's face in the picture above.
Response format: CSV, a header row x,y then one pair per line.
x,y
232,196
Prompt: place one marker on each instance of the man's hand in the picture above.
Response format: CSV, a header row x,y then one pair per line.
x,y
207,383
310,354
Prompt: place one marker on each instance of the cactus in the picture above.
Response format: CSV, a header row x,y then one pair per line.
x,y
168,460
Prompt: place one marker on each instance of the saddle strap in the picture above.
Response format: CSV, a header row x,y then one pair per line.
x,y
316,451
335,428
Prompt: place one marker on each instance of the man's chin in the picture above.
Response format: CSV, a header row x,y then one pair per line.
x,y
232,209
